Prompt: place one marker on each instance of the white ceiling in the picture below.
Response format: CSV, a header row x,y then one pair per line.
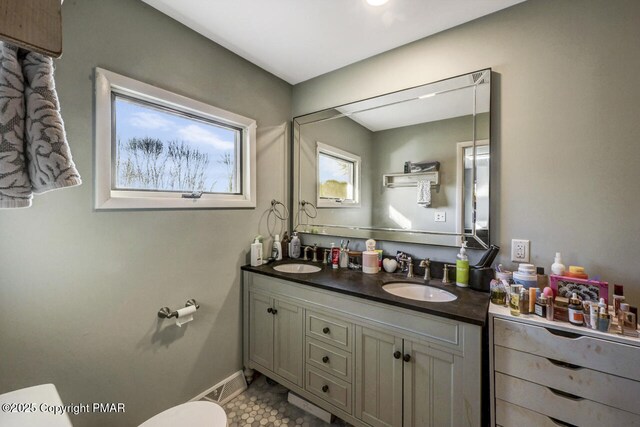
x,y
300,39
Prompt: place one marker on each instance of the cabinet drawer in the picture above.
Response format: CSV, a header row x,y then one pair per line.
x,y
329,359
584,351
573,410
508,415
330,330
611,390
329,388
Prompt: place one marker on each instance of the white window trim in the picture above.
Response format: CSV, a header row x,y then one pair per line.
x,y
107,83
345,155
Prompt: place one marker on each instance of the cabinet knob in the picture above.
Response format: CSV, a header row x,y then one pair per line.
x,y
326,330
397,355
274,311
406,357
325,388
325,359
269,310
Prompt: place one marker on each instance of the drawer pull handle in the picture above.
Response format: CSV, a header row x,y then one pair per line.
x,y
407,357
565,394
565,364
397,355
325,359
326,330
325,388
561,423
564,334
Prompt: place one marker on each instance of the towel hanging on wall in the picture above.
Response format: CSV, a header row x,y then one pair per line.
x,y
34,153
424,193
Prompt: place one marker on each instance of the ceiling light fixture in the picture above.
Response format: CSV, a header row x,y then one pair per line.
x,y
377,2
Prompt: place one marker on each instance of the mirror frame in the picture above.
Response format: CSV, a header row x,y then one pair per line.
x,y
381,233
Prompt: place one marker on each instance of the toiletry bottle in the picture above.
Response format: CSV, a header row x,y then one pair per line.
x,y
514,300
593,314
284,244
462,267
543,279
557,267
256,253
533,296
550,305
576,272
294,251
604,320
335,256
524,301
540,308
576,311
276,250
622,313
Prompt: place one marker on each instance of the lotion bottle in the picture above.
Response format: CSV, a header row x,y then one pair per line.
x,y
276,250
256,253
294,251
557,267
462,267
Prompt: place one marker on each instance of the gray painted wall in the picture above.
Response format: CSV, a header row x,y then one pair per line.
x,y
564,125
80,289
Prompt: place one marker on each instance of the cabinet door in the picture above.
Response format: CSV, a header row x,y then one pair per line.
x,y
378,378
430,378
288,341
261,330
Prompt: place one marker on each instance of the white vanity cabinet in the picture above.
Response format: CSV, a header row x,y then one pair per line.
x,y
367,362
553,373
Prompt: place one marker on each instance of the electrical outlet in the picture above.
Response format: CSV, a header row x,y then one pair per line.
x,y
440,216
520,250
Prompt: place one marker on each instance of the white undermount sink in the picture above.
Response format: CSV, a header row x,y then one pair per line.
x,y
297,268
416,291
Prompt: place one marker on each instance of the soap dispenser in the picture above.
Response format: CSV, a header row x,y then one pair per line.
x,y
276,250
294,248
462,267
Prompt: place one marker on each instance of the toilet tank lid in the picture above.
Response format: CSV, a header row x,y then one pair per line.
x,y
39,394
194,414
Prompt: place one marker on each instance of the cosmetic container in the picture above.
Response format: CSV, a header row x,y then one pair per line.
x,y
541,307
533,296
514,299
498,292
550,309
604,319
524,301
561,309
576,312
593,315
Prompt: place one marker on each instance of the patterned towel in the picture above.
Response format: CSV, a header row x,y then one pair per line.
x,y
48,153
424,193
31,125
15,187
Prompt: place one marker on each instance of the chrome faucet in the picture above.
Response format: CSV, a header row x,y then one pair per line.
x,y
314,248
409,268
426,264
445,273
325,257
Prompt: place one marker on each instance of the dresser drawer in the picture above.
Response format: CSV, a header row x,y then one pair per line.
x,y
510,415
329,359
329,388
330,330
584,351
611,390
573,410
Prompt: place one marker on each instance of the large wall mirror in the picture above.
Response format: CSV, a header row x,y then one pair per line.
x,y
409,166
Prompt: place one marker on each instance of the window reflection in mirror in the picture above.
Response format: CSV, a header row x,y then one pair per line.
x,y
338,177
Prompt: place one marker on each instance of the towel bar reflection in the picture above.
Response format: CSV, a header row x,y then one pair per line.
x,y
166,313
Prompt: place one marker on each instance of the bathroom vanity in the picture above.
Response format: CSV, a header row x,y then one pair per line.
x,y
336,338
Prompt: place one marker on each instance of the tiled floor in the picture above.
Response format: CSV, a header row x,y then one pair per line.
x,y
263,404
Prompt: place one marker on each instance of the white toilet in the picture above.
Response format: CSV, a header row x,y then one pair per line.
x,y
192,414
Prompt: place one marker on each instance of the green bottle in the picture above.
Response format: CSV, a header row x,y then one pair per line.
x,y
462,267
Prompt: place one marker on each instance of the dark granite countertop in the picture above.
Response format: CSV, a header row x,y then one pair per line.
x,y
470,306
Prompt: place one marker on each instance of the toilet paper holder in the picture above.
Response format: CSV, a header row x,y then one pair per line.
x,y
166,313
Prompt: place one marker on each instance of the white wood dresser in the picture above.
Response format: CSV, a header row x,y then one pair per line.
x,y
555,374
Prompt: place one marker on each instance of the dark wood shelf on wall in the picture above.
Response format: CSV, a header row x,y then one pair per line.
x,y
35,25
392,180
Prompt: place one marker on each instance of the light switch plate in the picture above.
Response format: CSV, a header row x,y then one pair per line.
x,y
520,250
440,216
